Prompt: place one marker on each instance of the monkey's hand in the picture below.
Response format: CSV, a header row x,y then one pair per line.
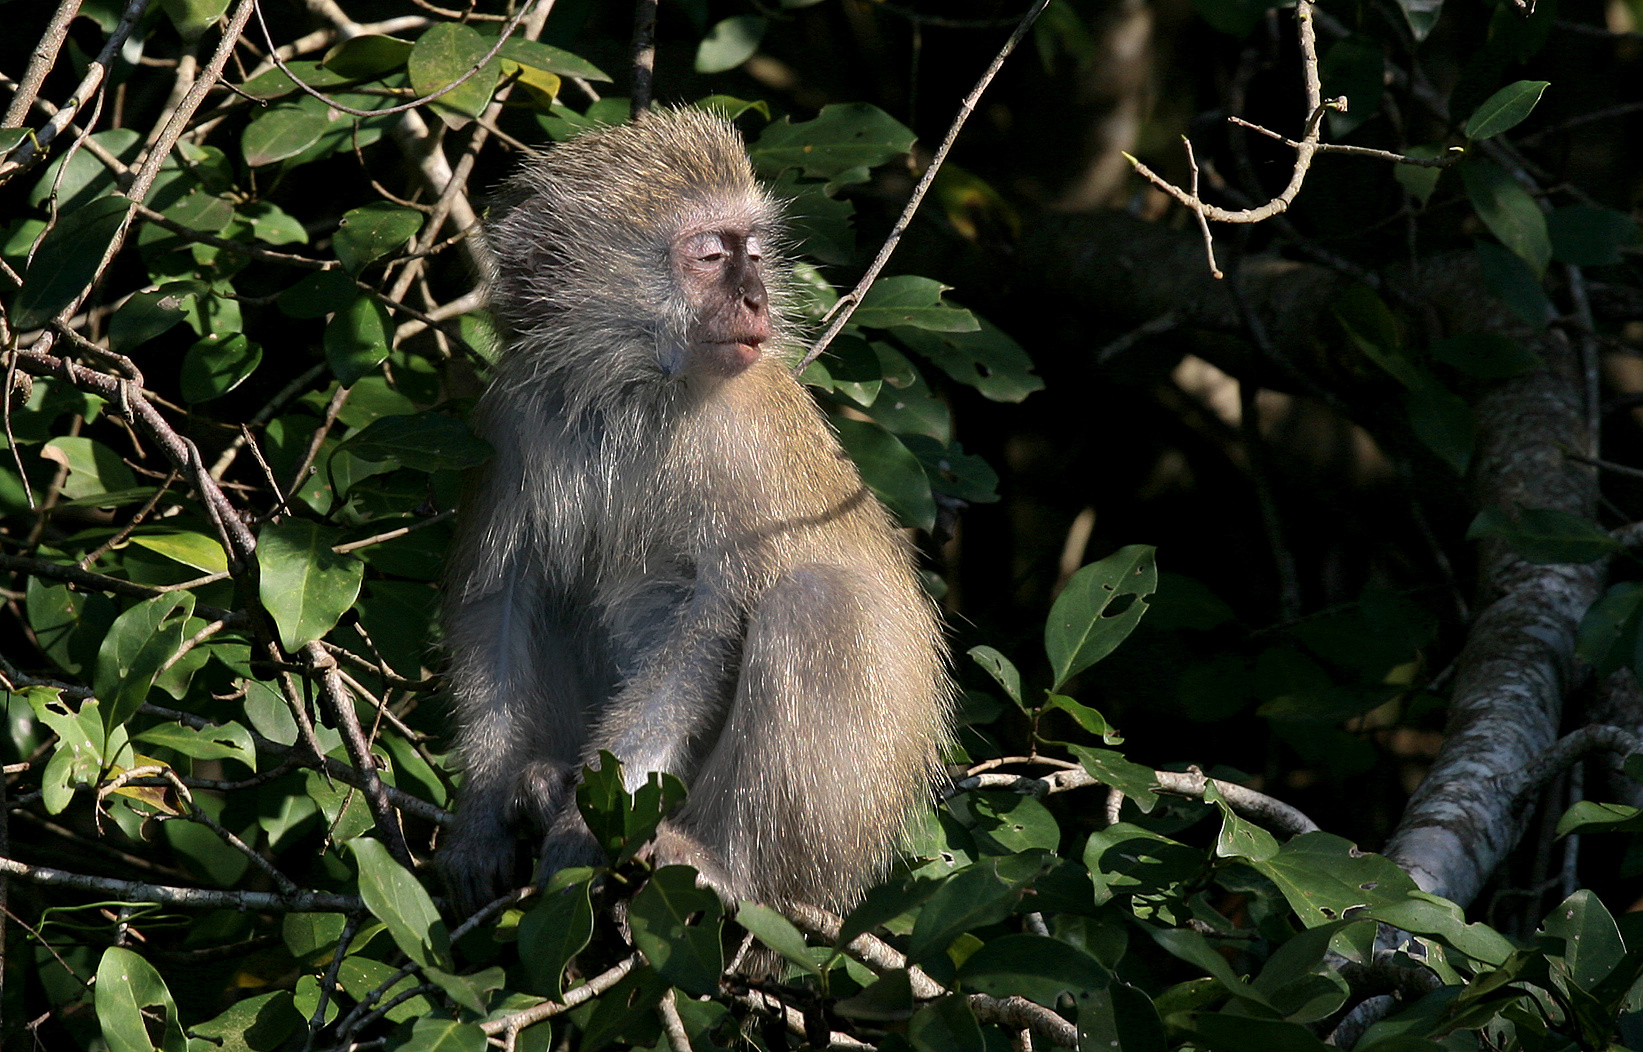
x,y
477,859
672,846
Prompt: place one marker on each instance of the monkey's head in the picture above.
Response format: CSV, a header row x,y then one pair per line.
x,y
648,245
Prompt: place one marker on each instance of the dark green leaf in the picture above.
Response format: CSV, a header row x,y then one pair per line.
x,y
1592,945
1545,535
676,926
1356,68
552,59
890,471
947,1025
1508,210
951,471
320,293
1419,180
305,586
842,136
556,929
1111,769
1505,109
914,302
442,55
216,365
368,56
140,641
1588,236
730,43
281,132
1490,356
1000,668
1589,816
368,233
148,314
1032,966
127,987
971,898
356,339
395,898
1100,605
776,932
66,261
426,441
986,358
1515,282
1005,823
255,1024
193,17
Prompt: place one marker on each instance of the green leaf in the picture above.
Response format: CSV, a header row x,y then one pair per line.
x,y
128,986
1356,68
139,642
676,924
912,301
730,43
1443,422
1592,945
1112,769
1221,1032
987,359
974,897
1084,625
776,932
425,441
1006,823
281,132
1032,966
400,902
1505,109
1087,718
216,365
556,929
66,261
1000,668
890,470
552,59
951,471
1588,236
191,549
367,57
435,1034
841,137
1425,914
320,293
193,17
226,741
149,314
1545,535
624,1005
305,586
1590,816
252,1025
1608,630
79,757
1421,15
1508,210
368,233
357,339
1489,356
1324,877
1511,278
947,1025
445,53
1418,180
93,468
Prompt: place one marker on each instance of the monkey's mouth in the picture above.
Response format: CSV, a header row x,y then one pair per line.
x,y
736,355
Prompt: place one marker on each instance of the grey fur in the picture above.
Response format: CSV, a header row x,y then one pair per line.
x,y
682,568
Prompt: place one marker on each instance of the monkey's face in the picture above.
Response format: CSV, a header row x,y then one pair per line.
x,y
720,271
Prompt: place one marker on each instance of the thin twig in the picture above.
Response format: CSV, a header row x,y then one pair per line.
x,y
847,305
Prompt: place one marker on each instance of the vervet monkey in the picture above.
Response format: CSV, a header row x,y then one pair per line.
x,y
670,557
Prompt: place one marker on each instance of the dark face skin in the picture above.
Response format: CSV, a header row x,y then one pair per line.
x,y
722,276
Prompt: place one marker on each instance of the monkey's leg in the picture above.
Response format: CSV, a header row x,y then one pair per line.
x,y
522,681
835,730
